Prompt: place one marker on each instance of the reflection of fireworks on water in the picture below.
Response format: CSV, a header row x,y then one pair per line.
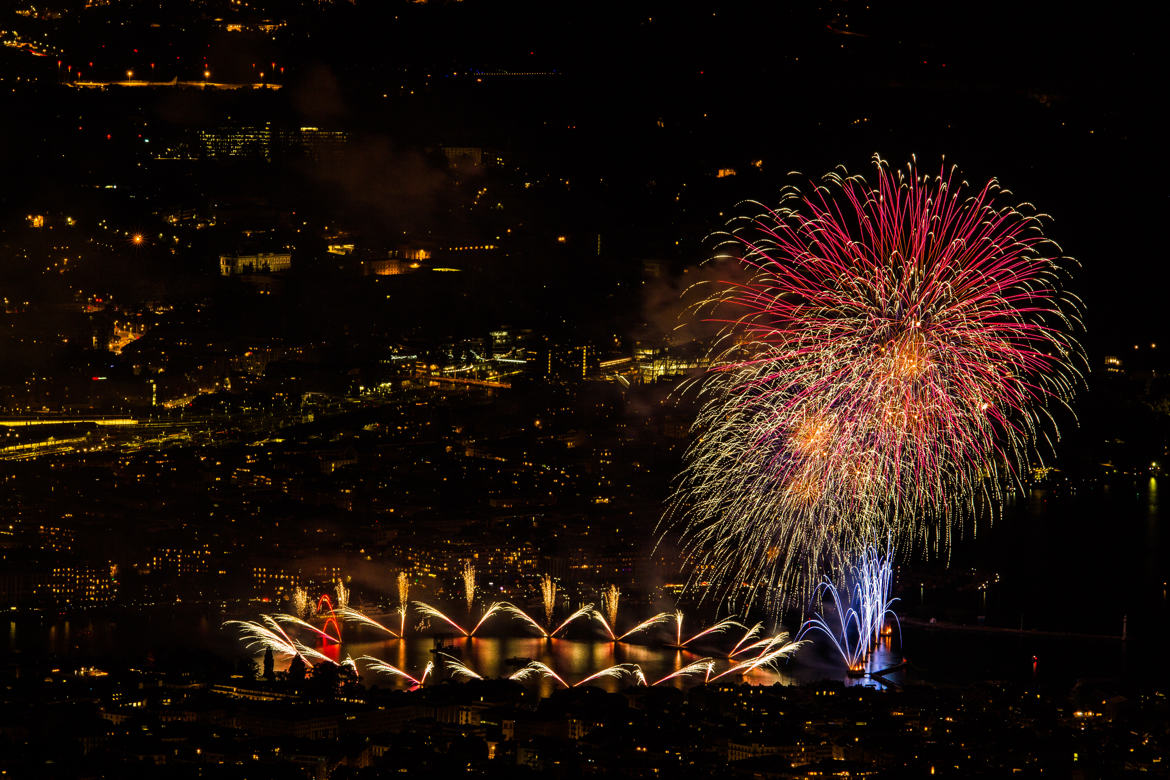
x,y
889,360
469,584
354,616
609,602
342,594
382,667
403,593
548,596
300,602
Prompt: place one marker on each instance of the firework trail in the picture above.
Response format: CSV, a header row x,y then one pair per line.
x,y
751,633
468,575
766,660
609,602
874,574
382,667
539,668
403,593
265,633
661,617
308,653
850,637
523,616
890,363
548,595
615,672
459,669
332,616
296,621
342,594
584,611
354,616
300,602
498,606
702,666
430,611
719,627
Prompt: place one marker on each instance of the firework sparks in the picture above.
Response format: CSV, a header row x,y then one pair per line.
x,y
342,594
265,632
661,617
890,361
520,614
403,594
609,602
584,611
702,666
498,606
296,621
468,575
354,616
779,648
717,628
300,602
332,615
382,667
615,672
850,638
548,596
430,611
751,633
459,669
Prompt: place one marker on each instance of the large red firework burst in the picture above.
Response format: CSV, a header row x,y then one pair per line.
x,y
893,355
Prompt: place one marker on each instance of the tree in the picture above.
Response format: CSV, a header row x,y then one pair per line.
x,y
269,665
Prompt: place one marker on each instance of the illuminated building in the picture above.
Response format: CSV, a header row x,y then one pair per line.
x,y
271,262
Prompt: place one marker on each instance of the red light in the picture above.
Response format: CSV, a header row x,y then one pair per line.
x,y
108,136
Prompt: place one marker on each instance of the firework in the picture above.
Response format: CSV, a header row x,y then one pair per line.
x,y
382,667
703,665
497,606
874,574
548,595
615,672
850,637
296,621
719,627
354,616
459,669
609,602
430,611
767,659
266,633
584,611
403,593
661,617
342,594
300,602
468,575
324,600
523,616
889,364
